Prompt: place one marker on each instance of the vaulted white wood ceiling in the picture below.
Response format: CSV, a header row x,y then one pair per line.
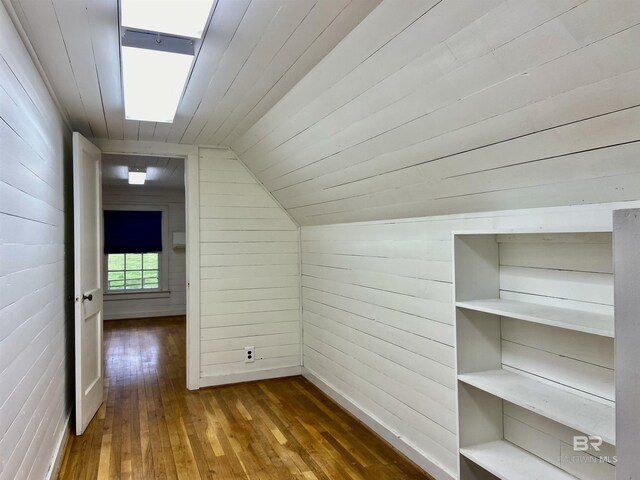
x,y
252,53
426,107
439,107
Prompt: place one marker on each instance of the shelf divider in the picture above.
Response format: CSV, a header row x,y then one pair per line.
x,y
509,462
574,411
577,320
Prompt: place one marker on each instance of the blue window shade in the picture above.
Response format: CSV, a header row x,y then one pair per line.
x,y
129,231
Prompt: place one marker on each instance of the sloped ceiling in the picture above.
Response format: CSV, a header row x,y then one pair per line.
x,y
350,110
438,107
252,53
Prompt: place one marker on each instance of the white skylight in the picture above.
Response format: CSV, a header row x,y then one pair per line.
x,y
153,82
186,18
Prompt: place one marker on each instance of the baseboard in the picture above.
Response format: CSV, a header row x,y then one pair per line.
x,y
215,380
379,429
58,454
126,316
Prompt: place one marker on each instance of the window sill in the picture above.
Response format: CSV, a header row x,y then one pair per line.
x,y
136,295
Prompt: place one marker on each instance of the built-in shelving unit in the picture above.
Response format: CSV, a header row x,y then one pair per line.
x,y
534,343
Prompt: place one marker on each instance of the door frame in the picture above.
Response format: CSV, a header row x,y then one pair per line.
x,y
192,215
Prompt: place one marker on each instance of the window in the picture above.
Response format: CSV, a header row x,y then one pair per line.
x,y
135,261
133,271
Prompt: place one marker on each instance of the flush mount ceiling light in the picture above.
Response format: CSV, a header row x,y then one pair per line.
x,y
186,18
137,176
155,69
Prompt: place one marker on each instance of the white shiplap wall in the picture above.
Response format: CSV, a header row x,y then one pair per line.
x,y
249,275
175,304
378,317
442,107
35,325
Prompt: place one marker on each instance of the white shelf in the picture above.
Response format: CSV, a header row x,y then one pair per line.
x,y
582,414
594,323
508,462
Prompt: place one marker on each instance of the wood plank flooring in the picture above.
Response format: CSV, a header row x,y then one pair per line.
x,y
152,427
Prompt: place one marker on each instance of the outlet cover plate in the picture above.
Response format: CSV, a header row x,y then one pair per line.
x,y
249,354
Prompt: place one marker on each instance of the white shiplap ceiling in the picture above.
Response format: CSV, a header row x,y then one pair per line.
x,y
252,53
452,106
162,172
365,110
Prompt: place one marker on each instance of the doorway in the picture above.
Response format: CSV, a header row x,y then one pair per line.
x,y
190,157
144,260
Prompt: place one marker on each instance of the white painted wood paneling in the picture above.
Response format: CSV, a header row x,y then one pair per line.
x,y
251,54
174,202
431,108
249,274
378,315
35,319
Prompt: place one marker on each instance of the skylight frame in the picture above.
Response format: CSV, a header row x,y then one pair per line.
x,y
139,15
168,38
158,44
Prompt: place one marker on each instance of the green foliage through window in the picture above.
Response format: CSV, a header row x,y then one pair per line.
x,y
133,271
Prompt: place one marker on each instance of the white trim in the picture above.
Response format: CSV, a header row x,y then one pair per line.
x,y
161,313
598,214
192,209
379,429
192,231
136,295
137,147
300,295
226,379
600,228
58,452
214,147
626,305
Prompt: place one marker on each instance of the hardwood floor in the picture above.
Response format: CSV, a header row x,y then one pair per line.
x,y
152,427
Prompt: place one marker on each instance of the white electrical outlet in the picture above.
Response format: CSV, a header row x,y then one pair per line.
x,y
249,354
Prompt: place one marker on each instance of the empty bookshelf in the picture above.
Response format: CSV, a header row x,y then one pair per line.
x,y
535,355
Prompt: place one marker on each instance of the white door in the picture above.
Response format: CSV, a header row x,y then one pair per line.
x,y
87,236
